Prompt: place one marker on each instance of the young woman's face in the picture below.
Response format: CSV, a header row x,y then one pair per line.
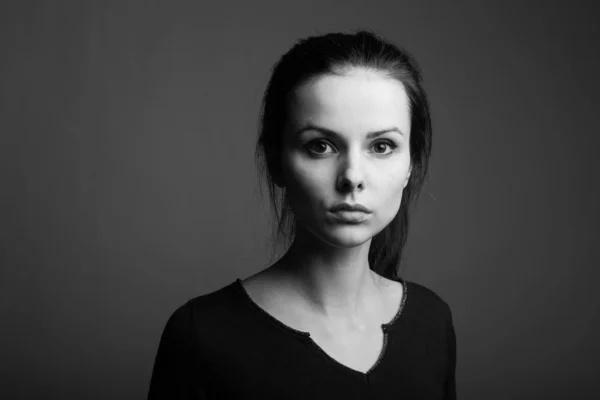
x,y
346,141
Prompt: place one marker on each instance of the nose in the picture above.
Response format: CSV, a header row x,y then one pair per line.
x,y
351,176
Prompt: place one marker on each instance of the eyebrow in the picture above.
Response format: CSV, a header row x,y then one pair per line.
x,y
329,132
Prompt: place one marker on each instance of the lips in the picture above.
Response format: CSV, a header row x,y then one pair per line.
x,y
349,213
350,207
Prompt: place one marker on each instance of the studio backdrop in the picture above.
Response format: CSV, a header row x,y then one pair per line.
x,y
128,185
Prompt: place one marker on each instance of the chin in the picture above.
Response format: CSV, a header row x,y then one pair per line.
x,y
346,236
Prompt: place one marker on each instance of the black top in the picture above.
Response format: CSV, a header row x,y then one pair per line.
x,y
222,345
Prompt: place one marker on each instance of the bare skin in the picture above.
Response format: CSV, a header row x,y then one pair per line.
x,y
350,334
354,340
347,140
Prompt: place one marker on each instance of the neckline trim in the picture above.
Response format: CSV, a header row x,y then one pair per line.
x,y
384,326
240,287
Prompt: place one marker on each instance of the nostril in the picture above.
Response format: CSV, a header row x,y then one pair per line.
x,y
346,184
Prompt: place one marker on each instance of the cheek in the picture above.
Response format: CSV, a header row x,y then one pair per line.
x,y
306,182
390,187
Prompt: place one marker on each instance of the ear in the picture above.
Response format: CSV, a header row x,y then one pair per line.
x,y
406,179
278,179
273,167
278,182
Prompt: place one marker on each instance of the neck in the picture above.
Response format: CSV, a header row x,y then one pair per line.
x,y
337,282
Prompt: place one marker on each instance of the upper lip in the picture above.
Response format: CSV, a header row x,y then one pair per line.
x,y
350,207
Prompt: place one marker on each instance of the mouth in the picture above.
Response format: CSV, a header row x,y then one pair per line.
x,y
347,207
349,213
349,217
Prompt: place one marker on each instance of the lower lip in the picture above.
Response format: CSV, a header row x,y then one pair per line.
x,y
350,216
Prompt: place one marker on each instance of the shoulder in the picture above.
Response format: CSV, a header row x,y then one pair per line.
x,y
201,313
218,301
425,303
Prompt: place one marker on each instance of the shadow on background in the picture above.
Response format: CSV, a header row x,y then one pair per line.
x,y
127,132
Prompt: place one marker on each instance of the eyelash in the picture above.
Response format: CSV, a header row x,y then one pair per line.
x,y
389,143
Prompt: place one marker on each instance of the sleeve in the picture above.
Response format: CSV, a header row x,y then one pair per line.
x,y
451,372
174,375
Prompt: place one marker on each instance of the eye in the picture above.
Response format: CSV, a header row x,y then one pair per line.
x,y
319,147
383,145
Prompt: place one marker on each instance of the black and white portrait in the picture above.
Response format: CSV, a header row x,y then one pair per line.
x,y
299,200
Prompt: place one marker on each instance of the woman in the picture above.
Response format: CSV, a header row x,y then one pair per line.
x,y
345,141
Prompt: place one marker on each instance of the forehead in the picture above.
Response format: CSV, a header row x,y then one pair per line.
x,y
357,101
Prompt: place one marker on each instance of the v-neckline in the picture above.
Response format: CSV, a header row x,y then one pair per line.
x,y
385,327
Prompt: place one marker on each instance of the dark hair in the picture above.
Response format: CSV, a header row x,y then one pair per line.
x,y
331,54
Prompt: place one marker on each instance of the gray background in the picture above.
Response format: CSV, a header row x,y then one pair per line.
x,y
128,186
